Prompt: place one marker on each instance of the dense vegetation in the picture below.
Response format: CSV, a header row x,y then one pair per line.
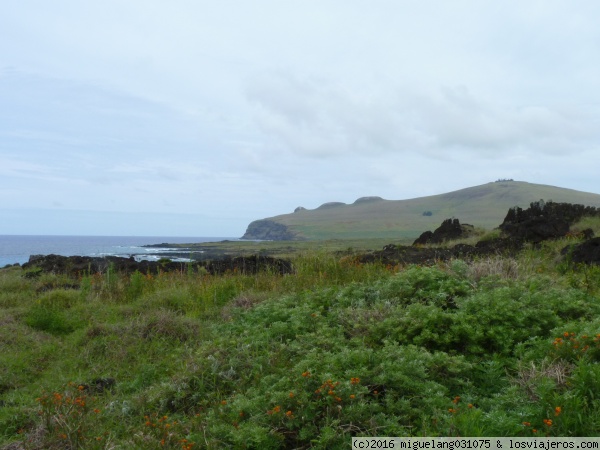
x,y
500,346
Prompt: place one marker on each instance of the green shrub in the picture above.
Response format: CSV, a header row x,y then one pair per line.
x,y
428,285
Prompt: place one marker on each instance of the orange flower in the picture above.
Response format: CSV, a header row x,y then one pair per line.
x,y
291,395
557,411
456,400
290,414
352,396
223,402
534,431
527,424
452,410
548,422
354,380
306,374
470,405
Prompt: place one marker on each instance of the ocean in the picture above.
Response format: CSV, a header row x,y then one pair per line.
x,y
17,249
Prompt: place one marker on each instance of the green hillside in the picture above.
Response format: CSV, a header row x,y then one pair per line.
x,y
483,206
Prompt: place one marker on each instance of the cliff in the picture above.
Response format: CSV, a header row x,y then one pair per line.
x,y
268,230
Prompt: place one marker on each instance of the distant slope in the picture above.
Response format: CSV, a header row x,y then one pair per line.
x,y
369,217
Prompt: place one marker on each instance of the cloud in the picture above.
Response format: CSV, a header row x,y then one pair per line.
x,y
319,118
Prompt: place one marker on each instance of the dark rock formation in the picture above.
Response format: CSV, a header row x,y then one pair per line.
x,y
542,221
268,230
587,252
588,233
300,208
498,246
80,265
448,230
399,254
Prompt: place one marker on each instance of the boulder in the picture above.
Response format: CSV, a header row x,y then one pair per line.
x,y
588,252
449,229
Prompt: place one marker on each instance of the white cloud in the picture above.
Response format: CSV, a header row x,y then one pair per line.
x,y
318,118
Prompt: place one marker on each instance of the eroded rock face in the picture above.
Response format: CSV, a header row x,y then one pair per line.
x,y
448,230
268,230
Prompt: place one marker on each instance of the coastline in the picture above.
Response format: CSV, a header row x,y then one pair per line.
x,y
16,249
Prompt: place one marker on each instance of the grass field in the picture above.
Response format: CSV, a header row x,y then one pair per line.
x,y
493,347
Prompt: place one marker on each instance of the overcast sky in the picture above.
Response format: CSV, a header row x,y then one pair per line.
x,y
193,117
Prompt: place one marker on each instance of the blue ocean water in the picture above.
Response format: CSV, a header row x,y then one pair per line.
x,y
17,249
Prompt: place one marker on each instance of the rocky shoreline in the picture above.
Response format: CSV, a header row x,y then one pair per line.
x,y
82,265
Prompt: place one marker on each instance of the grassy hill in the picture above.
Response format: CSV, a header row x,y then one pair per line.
x,y
372,217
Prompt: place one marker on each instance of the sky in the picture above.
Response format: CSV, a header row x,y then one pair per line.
x,y
194,117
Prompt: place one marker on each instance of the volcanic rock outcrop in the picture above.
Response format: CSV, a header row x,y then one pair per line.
x,y
80,265
449,229
588,252
542,221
